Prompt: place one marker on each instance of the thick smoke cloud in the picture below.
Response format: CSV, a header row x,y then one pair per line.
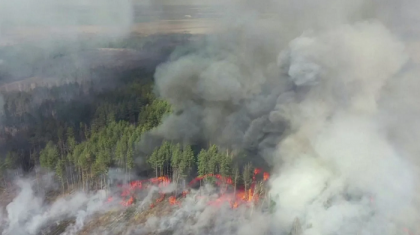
x,y
325,96
220,93
324,91
339,158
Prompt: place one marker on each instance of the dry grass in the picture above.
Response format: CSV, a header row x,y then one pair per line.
x,y
119,221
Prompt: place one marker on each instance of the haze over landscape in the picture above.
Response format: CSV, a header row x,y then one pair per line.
x,y
209,117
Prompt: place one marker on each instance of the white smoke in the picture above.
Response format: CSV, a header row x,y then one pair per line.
x,y
339,153
196,216
95,204
29,213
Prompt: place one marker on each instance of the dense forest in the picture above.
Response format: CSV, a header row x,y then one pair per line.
x,y
81,130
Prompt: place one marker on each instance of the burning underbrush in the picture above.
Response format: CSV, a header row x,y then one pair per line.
x,y
209,205
162,188
159,206
132,204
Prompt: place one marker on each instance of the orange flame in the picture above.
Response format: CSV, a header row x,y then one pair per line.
x,y
128,202
173,201
241,197
235,200
250,195
266,176
160,199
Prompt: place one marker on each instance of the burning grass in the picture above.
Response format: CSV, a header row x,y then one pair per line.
x,y
235,197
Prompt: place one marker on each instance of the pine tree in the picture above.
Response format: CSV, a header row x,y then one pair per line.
x,y
71,141
202,162
60,172
188,157
100,167
167,158
154,161
86,160
213,151
213,160
130,160
175,161
186,161
164,156
101,163
225,165
120,152
49,156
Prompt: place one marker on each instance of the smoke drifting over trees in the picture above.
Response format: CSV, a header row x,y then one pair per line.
x,y
321,92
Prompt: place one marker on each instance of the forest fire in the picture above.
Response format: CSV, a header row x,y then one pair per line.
x,y
235,199
130,189
160,199
173,201
266,176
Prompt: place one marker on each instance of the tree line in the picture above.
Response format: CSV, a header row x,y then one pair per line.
x,y
106,144
82,140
